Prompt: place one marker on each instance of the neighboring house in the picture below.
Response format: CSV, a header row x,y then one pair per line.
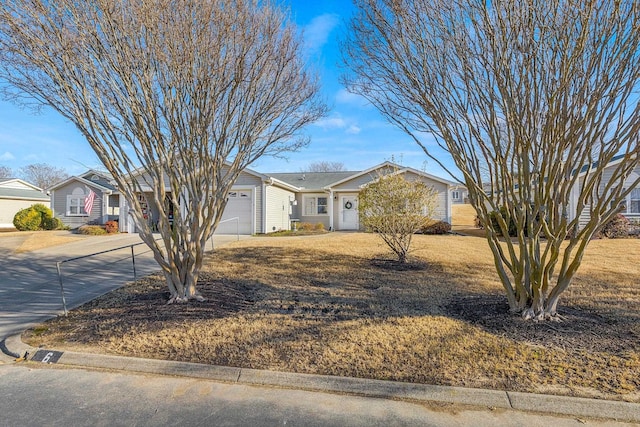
x,y
68,199
257,203
630,209
459,194
332,197
16,194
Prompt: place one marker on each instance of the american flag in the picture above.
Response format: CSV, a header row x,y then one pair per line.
x,y
88,202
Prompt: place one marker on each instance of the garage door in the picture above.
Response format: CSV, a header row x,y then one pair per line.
x,y
239,205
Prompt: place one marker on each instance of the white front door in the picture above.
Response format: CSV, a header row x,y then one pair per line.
x,y
348,213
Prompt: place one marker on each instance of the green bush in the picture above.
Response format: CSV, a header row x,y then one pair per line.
x,y
54,224
43,210
436,227
27,219
493,216
35,217
92,230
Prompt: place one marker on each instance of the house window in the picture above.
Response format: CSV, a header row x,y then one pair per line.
x,y
315,205
634,202
455,195
75,205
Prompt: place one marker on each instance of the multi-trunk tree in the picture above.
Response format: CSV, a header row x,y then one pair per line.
x,y
532,99
176,97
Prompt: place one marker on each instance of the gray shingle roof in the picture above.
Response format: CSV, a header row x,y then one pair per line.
x,y
312,180
18,193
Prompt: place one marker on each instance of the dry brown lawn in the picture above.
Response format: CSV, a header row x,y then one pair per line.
x,y
327,305
27,241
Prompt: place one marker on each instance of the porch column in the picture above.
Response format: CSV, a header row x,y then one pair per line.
x,y
330,207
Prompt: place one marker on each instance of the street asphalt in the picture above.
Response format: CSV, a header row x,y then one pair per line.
x,y
67,388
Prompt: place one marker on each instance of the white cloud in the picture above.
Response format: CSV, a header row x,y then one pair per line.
x,y
353,130
337,122
331,123
7,156
316,33
345,97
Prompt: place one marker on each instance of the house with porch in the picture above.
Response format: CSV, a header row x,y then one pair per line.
x,y
257,203
68,199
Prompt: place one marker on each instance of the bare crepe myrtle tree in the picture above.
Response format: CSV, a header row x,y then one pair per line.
x,y
176,97
531,99
395,208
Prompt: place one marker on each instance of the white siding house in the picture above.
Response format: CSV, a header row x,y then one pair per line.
x,y
257,203
16,194
630,208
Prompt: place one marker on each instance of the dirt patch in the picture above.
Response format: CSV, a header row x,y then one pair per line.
x,y
319,305
580,329
395,265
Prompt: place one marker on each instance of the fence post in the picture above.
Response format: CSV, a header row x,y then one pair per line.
x,y
64,301
133,260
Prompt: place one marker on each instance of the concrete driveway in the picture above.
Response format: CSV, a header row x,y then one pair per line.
x,y
29,286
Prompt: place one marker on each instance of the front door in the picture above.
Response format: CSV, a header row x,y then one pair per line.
x,y
348,213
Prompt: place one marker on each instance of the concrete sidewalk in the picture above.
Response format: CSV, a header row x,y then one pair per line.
x,y
419,393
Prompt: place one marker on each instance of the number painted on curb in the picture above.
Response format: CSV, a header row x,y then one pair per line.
x,y
47,356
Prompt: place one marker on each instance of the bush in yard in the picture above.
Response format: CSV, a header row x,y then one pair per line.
x,y
111,227
54,224
395,208
493,216
93,230
319,226
618,227
436,227
27,219
305,226
35,217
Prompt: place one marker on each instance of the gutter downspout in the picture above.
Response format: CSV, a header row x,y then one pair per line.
x,y
263,217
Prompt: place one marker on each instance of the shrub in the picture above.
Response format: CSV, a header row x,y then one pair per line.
x,y
306,226
93,230
54,224
319,226
493,216
35,217
436,227
27,219
617,227
111,227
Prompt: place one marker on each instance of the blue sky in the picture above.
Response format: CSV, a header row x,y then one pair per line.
x,y
353,132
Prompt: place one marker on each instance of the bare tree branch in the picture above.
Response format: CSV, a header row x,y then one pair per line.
x,y
175,97
533,100
43,175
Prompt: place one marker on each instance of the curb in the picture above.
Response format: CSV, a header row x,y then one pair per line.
x,y
559,405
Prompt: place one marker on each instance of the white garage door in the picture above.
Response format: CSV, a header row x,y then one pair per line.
x,y
239,205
